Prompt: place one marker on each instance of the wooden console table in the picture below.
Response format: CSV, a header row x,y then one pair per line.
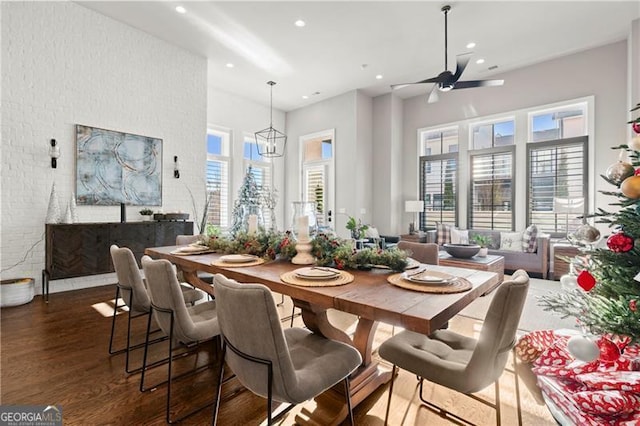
x,y
560,265
81,249
414,238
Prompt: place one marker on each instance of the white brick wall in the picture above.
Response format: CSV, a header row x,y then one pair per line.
x,y
63,65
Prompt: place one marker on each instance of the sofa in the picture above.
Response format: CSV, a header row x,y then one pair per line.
x,y
534,262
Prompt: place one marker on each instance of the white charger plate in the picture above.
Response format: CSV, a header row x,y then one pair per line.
x,y
238,258
316,273
426,277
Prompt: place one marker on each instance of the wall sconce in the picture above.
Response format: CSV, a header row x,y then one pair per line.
x,y
54,153
176,167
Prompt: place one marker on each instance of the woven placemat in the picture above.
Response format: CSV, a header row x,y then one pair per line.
x,y
458,285
258,261
292,278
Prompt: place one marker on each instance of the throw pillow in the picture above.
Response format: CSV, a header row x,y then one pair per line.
x,y
530,239
609,402
444,233
372,232
511,241
459,236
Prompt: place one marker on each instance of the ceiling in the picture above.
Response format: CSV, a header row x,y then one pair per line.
x,y
345,44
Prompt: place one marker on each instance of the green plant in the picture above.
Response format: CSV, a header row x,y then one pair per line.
x,y
146,212
357,228
481,240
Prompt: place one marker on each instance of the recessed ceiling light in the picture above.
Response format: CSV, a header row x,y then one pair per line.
x,y
230,65
181,9
471,45
300,23
305,97
480,61
379,76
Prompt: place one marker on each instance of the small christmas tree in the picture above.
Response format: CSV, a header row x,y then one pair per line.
x,y
249,194
610,281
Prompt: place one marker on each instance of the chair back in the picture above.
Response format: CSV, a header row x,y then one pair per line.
x,y
249,321
165,293
498,333
183,240
129,278
422,252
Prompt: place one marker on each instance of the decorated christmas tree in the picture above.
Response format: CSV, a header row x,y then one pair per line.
x,y
608,297
249,196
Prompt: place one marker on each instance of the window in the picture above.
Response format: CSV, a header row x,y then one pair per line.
x,y
262,171
438,176
491,189
218,177
557,169
491,160
317,162
558,123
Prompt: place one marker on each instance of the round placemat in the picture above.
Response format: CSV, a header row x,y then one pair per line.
x,y
458,285
292,278
258,261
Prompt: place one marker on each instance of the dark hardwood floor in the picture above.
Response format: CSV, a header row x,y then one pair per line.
x,y
56,354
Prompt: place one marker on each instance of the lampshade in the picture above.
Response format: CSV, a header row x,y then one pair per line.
x,y
414,206
568,205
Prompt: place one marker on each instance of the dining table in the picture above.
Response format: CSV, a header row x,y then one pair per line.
x,y
370,297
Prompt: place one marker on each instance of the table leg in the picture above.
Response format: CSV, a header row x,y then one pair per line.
x,y
331,407
191,276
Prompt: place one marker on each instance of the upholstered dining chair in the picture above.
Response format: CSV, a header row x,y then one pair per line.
x,y
422,252
131,286
290,365
183,325
459,362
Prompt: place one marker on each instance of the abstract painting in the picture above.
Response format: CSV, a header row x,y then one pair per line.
x,y
115,167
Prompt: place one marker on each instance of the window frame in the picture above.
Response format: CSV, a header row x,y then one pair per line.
x,y
226,136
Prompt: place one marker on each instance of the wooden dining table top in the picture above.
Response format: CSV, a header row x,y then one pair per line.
x,y
369,296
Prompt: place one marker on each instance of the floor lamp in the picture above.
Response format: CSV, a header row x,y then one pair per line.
x,y
568,206
416,207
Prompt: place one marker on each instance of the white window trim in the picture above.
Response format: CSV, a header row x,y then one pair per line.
x,y
227,133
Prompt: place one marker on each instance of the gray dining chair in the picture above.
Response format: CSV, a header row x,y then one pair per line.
x,y
131,286
422,252
184,326
291,365
459,362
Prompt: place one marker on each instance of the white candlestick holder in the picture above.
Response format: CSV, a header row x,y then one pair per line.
x,y
303,255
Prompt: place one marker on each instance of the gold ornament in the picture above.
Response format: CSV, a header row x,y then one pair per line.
x,y
631,187
586,234
634,144
618,172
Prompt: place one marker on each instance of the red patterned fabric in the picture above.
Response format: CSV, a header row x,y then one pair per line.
x,y
531,345
611,380
608,402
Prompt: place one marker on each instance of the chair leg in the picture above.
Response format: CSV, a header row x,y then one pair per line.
x,y
497,387
394,372
347,395
113,320
216,406
517,386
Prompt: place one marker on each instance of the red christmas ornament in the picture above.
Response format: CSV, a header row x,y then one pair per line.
x,y
636,127
586,280
633,305
637,172
620,242
609,351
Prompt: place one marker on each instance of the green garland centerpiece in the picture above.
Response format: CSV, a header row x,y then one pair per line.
x,y
328,250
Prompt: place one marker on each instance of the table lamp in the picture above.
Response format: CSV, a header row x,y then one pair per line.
x,y
568,206
414,206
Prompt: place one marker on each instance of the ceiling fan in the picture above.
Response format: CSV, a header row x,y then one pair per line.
x,y
447,80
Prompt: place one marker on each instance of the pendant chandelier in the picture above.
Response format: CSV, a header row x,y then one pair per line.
x,y
270,142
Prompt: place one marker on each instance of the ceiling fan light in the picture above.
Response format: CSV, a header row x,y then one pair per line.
x,y
445,87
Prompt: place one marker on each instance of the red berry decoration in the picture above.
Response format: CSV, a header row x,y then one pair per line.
x,y
586,280
633,305
609,351
620,242
636,127
637,172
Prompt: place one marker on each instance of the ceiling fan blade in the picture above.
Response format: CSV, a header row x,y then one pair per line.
x,y
477,83
433,96
461,64
429,80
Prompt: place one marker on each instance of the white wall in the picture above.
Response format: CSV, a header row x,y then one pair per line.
x,y
601,72
242,116
339,113
63,65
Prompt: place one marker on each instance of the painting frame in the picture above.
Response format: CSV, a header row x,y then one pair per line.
x,y
114,167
